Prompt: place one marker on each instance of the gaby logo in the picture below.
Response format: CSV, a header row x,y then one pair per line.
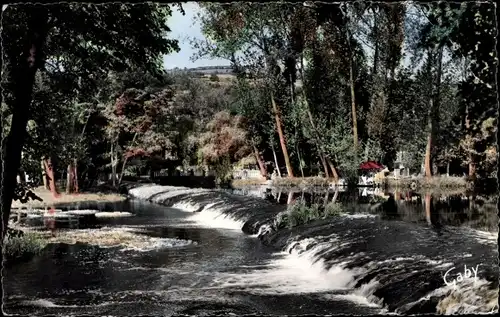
x,y
452,277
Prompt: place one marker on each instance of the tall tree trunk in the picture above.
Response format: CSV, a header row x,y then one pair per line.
x,y
69,179
376,53
300,161
434,116
282,137
353,105
114,163
23,69
49,169
44,176
125,161
276,161
334,170
316,136
262,166
323,162
75,175
428,151
469,145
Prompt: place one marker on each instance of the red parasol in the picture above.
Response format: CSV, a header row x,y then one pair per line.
x,y
371,165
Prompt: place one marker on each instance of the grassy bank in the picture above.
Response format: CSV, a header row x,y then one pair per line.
x,y
48,200
22,248
240,183
428,183
299,213
285,182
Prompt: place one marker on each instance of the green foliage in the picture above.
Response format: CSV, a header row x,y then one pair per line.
x,y
214,78
300,213
29,244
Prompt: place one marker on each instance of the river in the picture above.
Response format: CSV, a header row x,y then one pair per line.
x,y
204,252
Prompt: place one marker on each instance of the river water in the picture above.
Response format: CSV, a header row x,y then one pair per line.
x,y
184,252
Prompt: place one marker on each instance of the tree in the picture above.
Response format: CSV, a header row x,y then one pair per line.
x,y
85,40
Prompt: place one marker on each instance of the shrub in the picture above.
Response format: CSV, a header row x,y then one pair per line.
x,y
19,247
214,78
299,213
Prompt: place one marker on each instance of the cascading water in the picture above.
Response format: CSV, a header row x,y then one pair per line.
x,y
172,250
391,265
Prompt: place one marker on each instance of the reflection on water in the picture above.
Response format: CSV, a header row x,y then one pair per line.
x,y
437,210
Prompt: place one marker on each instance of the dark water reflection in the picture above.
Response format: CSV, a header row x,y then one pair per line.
x,y
435,209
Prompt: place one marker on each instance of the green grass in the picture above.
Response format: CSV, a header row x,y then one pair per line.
x,y
238,183
302,182
19,248
299,213
434,182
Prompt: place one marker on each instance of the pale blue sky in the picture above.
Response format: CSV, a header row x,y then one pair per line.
x,y
183,28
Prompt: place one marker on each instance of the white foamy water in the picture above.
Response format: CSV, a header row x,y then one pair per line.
x,y
298,272
158,194
357,216
147,191
186,206
82,212
113,214
210,216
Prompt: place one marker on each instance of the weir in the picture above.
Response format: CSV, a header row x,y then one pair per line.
x,y
394,265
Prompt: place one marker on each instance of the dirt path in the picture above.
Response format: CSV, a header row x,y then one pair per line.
x,y
49,200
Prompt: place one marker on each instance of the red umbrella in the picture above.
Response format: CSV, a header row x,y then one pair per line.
x,y
370,165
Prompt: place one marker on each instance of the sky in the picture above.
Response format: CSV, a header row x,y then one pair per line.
x,y
183,28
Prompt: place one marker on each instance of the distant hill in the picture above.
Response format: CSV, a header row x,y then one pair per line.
x,y
209,70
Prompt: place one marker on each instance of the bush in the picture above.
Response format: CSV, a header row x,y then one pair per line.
x,y
214,78
299,213
21,247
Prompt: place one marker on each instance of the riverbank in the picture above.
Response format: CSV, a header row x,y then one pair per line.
x,y
436,182
48,199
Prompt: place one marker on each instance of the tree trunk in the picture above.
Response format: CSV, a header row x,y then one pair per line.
x,y
69,179
75,176
300,161
376,53
126,160
323,162
44,176
262,166
282,137
114,163
49,169
334,170
276,161
353,106
428,153
433,115
468,139
23,69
